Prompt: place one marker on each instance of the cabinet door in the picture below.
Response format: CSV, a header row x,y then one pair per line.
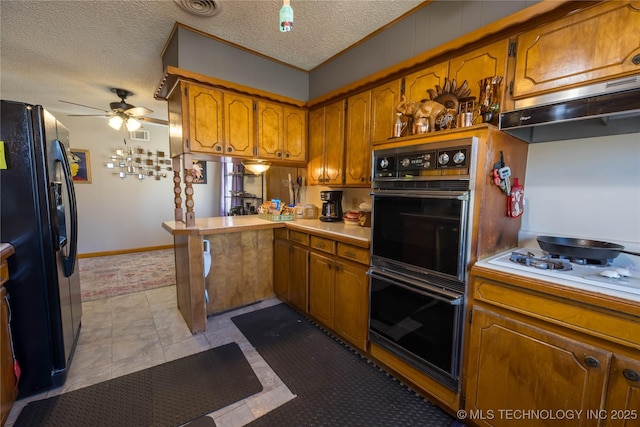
x,y
623,395
270,130
333,143
515,366
205,119
295,134
321,279
315,167
8,383
599,43
474,66
298,277
238,125
281,269
384,99
357,165
416,84
351,303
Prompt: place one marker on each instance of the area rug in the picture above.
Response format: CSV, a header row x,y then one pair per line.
x,y
170,394
108,276
335,386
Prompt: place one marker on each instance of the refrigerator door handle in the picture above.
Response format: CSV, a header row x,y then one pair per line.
x,y
69,261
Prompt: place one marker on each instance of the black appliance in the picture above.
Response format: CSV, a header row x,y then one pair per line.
x,y
600,109
39,218
331,206
420,203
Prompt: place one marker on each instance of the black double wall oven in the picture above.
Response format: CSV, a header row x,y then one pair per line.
x,y
420,226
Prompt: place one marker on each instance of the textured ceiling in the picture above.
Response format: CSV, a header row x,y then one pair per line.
x,y
77,50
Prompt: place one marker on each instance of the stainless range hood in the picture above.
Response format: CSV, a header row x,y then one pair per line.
x,y
607,108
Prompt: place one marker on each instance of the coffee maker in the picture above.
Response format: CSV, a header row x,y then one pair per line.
x,y
331,206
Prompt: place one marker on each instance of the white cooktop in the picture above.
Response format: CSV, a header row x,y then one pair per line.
x,y
586,277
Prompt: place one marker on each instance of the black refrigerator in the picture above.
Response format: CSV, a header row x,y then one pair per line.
x,y
39,218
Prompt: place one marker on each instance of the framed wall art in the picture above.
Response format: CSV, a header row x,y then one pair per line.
x,y
199,172
80,164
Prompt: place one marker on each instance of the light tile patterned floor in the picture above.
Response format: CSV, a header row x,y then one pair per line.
x,y
127,333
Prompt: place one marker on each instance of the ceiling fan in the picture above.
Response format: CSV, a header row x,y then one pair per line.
x,y
122,112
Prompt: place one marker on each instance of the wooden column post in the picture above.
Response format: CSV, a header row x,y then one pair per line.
x,y
190,218
177,190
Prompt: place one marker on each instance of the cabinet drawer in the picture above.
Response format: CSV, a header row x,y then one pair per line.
x,y
322,244
280,233
353,253
4,272
296,236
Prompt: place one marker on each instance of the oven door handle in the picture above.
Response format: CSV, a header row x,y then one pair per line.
x,y
451,298
460,195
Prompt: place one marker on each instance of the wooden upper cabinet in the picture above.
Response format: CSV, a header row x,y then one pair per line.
x,y
357,165
596,44
270,130
282,132
205,109
416,84
474,66
295,134
326,144
238,125
384,99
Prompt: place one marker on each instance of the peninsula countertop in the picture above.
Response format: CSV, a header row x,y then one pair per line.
x,y
231,224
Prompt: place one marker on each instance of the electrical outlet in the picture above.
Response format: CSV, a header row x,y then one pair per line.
x,y
354,203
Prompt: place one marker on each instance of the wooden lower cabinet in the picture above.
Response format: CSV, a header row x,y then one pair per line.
x,y
8,380
516,367
536,350
623,394
291,270
321,288
351,303
338,297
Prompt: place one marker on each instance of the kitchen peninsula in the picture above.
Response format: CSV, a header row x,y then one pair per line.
x,y
241,249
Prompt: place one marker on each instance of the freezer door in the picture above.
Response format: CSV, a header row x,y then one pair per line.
x,y
65,237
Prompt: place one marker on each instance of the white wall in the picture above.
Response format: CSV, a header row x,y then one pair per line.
x,y
588,188
118,214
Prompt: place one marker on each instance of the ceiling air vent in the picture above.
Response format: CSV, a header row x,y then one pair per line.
x,y
139,135
200,7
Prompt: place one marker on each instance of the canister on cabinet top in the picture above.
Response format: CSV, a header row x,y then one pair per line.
x,y
309,211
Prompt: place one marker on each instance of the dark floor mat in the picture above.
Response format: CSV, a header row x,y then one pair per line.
x,y
334,385
170,394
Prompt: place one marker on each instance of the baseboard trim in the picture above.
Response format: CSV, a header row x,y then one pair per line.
x,y
124,251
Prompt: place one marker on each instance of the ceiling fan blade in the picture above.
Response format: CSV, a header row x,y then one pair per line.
x,y
138,111
82,105
152,120
88,115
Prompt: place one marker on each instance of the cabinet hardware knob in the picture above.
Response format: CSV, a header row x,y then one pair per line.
x,y
351,254
636,59
279,154
631,375
218,148
287,155
338,268
591,362
229,149
329,266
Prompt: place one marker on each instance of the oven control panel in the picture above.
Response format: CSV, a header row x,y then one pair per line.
x,y
389,164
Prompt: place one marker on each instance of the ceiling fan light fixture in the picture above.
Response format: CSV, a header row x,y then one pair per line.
x,y
115,122
133,124
256,167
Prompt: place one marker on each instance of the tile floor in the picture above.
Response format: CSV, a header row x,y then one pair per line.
x,y
127,333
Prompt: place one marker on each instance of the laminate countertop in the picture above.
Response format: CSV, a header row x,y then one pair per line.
x,y
232,224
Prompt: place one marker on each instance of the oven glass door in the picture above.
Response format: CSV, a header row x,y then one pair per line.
x,y
421,326
426,230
